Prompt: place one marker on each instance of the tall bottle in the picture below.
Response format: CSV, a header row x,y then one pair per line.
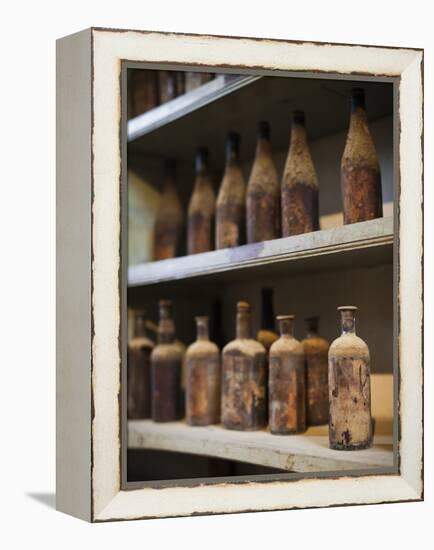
x,y
244,378
263,192
169,219
203,391
360,169
166,361
286,381
316,361
299,183
201,209
231,207
267,334
350,423
139,370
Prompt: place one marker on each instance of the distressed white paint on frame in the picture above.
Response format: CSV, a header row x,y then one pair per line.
x,y
110,47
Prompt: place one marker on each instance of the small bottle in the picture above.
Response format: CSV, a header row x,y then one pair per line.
x,y
139,370
360,169
316,361
166,361
203,391
244,378
168,83
143,91
299,183
231,199
286,382
266,334
263,192
350,423
201,209
169,218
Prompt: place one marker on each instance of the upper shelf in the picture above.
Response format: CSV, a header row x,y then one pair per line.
x,y
366,243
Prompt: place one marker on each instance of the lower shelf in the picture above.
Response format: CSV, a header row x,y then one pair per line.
x,y
307,452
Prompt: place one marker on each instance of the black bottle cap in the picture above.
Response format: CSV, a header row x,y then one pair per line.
x,y
202,158
233,144
298,118
264,129
357,98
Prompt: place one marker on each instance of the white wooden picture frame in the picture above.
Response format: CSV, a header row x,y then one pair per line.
x,y
89,271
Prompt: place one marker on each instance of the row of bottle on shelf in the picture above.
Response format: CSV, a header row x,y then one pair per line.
x,y
149,88
265,208
274,380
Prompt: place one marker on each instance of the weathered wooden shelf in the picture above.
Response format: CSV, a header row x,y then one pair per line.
x,y
366,243
295,453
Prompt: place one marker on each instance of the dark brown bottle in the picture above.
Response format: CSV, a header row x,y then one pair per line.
x,y
244,378
169,218
360,169
166,361
350,423
195,79
286,381
203,390
263,192
266,334
169,85
143,91
231,199
316,361
139,370
201,209
299,184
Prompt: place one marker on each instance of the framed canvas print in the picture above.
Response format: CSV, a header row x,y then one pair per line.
x,y
239,274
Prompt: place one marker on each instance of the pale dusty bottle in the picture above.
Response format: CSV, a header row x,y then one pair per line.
x,y
263,192
267,334
169,220
203,390
166,361
139,370
286,381
244,378
316,361
231,199
201,209
350,423
360,169
299,183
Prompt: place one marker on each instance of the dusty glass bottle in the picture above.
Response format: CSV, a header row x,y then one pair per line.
x,y
286,381
299,183
267,335
169,218
201,209
203,390
263,192
316,362
360,169
166,360
139,370
231,199
244,378
350,423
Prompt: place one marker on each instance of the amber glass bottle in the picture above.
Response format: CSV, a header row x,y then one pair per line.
x,y
350,423
266,334
244,378
286,381
203,391
166,360
299,183
139,370
360,169
231,208
169,219
201,209
263,192
316,360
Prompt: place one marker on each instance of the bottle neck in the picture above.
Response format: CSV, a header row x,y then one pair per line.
x,y
298,134
140,326
286,327
201,163
166,326
263,146
312,327
267,312
202,329
348,322
233,150
243,325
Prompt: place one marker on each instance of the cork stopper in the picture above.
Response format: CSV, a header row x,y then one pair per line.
x,y
202,160
357,98
286,324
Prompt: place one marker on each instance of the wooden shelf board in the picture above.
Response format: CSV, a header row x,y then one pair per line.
x,y
295,453
366,243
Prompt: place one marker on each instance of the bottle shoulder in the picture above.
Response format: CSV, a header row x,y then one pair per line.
x,y
315,345
263,176
299,167
286,345
203,198
201,348
359,145
244,346
348,344
232,187
140,343
169,352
